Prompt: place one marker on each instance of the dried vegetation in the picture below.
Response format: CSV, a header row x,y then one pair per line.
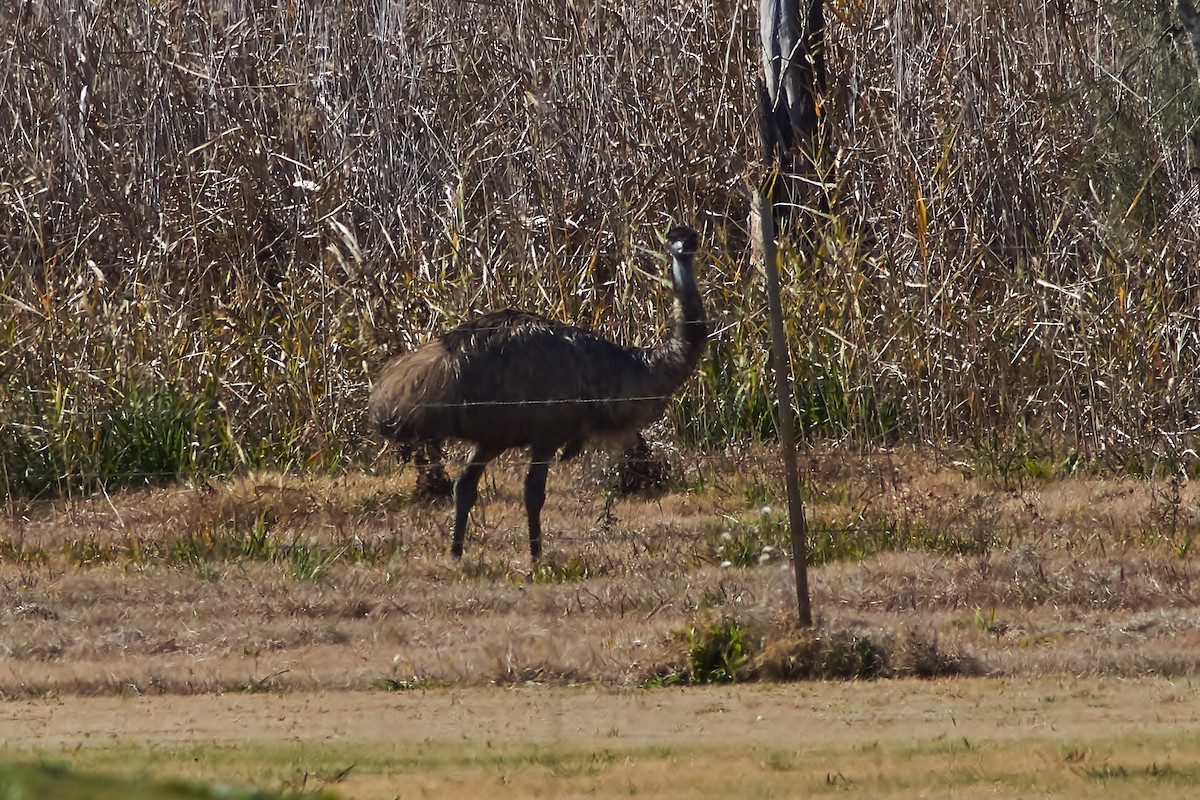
x,y
217,217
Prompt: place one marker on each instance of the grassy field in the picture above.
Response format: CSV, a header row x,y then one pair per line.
x,y
218,218
919,566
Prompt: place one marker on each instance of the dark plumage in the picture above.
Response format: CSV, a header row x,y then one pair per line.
x,y
514,379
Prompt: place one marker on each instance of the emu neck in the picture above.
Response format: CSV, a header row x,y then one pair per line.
x,y
674,360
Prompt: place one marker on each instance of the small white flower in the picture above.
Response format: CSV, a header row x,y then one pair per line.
x,y
726,536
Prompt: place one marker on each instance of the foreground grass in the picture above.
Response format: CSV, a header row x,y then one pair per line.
x,y
1165,766
59,781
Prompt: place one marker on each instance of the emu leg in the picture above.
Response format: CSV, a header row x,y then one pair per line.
x,y
466,491
535,496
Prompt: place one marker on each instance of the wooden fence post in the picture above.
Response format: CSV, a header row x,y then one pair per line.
x,y
793,80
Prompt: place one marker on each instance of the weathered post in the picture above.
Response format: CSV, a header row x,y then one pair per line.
x,y
789,120
789,91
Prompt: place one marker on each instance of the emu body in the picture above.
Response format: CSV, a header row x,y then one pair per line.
x,y
515,379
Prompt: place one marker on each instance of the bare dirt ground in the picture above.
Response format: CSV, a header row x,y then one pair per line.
x,y
975,737
277,609
807,715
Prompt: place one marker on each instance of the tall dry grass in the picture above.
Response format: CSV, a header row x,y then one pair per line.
x,y
1023,250
218,216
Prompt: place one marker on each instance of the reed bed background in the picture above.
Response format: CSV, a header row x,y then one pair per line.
x,y
218,217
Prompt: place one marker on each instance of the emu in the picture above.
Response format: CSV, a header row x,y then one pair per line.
x,y
512,379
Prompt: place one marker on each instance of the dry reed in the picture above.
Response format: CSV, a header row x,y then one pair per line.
x,y
232,211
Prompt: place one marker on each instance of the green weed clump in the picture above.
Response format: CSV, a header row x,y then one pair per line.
x,y
718,653
766,538
576,568
726,651
66,441
205,549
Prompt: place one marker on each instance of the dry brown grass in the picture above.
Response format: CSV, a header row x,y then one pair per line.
x,y
1079,576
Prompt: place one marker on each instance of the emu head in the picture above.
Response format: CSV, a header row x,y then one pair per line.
x,y
682,244
682,241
